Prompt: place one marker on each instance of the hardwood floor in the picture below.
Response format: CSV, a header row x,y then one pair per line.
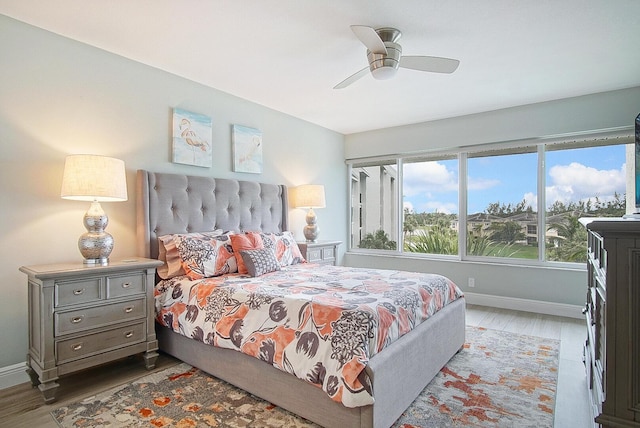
x,y
22,405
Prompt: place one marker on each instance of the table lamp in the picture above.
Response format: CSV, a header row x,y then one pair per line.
x,y
95,179
310,196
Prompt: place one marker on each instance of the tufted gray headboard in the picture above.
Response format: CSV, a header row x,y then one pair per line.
x,y
175,203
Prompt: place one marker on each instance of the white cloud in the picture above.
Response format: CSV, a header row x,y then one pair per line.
x,y
531,199
438,206
406,205
576,182
481,183
423,178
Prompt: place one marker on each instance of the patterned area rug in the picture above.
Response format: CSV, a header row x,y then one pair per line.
x,y
499,379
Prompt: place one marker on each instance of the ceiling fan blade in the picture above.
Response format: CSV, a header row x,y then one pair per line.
x,y
433,64
369,38
351,79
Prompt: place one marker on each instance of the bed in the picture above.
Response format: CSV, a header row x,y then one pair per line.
x,y
394,376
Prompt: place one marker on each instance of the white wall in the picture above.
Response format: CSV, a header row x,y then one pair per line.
x,y
572,115
60,97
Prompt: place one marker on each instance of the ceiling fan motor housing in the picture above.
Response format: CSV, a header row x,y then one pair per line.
x,y
384,66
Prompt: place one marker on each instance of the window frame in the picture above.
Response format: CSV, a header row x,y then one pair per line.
x,y
611,136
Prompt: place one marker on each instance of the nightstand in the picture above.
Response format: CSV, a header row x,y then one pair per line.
x,y
81,316
321,252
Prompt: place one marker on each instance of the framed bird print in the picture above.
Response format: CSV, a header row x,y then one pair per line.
x,y
192,135
247,149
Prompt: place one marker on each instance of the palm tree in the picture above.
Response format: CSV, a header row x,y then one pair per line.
x,y
573,245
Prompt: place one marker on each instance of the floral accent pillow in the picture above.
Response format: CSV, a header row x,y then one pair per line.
x,y
284,247
259,262
206,256
245,241
168,253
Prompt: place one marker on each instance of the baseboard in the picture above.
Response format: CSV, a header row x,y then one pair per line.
x,y
526,305
13,375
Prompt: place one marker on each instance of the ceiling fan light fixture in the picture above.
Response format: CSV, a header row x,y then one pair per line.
x,y
383,72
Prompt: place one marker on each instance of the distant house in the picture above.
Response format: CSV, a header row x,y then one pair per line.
x,y
480,225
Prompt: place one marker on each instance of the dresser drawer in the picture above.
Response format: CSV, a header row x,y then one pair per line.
x,y
125,285
97,316
75,292
84,346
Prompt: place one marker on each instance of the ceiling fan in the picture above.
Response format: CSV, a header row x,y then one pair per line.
x,y
385,56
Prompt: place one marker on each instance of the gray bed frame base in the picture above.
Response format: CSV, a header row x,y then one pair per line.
x,y
166,203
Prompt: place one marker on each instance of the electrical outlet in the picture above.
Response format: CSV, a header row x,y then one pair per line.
x,y
472,282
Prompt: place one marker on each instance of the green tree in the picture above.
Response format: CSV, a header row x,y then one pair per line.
x,y
378,240
572,244
435,240
508,231
410,223
501,210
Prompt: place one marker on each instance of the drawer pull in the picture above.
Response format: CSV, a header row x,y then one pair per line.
x,y
76,320
78,292
128,309
128,334
126,284
76,347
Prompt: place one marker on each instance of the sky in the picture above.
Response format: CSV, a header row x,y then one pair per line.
x,y
571,176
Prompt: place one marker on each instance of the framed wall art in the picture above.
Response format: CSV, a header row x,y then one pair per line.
x,y
192,135
247,149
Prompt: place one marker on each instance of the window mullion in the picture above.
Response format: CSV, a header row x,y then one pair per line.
x,y
399,207
462,205
542,200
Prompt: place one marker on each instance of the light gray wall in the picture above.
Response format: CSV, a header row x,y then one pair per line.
x,y
572,115
60,97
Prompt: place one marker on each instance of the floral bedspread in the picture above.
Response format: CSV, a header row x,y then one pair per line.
x,y
319,323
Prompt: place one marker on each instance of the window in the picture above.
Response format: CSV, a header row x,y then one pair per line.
x,y
485,204
430,205
501,203
581,182
374,202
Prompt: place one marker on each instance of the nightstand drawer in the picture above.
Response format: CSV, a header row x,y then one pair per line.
x,y
314,255
126,285
83,346
74,292
328,254
87,318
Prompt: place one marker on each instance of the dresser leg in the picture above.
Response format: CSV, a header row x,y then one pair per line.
x,y
48,390
150,358
33,376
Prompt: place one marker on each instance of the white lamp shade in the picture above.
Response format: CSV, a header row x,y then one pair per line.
x,y
310,196
94,178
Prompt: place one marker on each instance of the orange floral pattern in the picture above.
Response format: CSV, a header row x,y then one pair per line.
x,y
319,323
498,379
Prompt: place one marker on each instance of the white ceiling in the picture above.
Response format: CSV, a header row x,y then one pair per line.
x,y
288,54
